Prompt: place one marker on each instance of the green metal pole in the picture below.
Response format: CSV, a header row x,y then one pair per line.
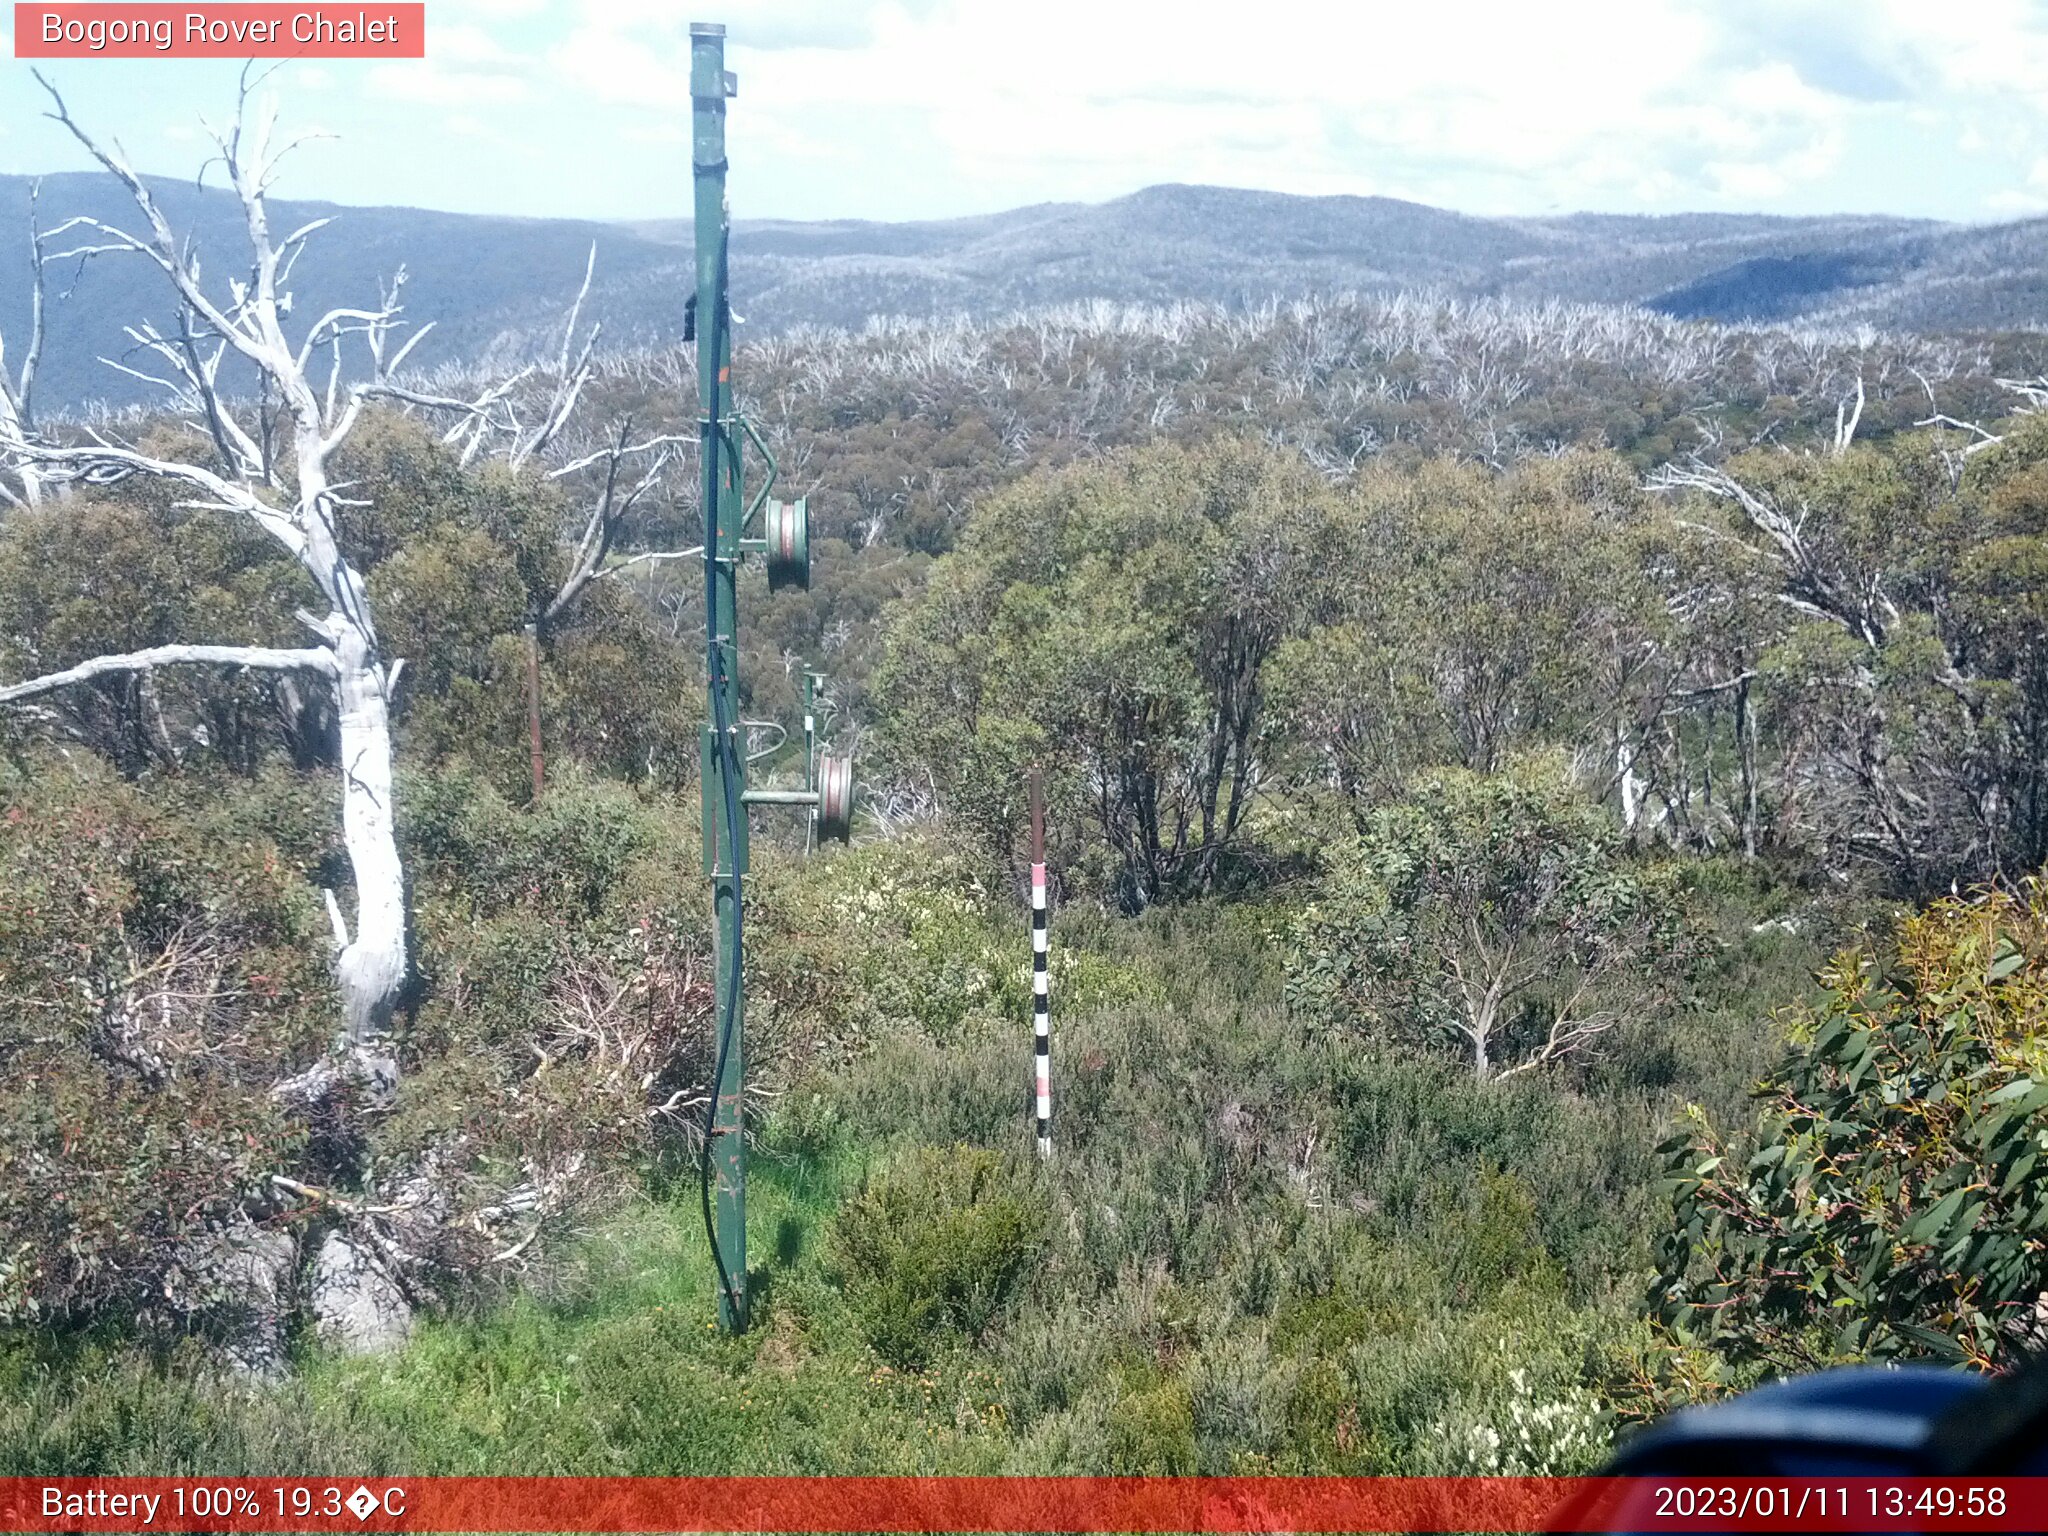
x,y
723,772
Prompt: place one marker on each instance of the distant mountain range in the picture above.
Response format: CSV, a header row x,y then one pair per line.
x,y
498,287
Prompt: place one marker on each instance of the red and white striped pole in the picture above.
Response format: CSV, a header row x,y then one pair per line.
x,y
1041,979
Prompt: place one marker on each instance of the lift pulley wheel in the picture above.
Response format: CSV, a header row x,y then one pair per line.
x,y
787,531
835,798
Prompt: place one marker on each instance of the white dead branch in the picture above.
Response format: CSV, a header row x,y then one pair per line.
x,y
17,393
259,658
611,502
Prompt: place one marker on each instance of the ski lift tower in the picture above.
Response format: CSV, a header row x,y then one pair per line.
x,y
784,541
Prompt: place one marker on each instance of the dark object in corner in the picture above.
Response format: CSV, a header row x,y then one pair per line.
x,y
1911,1421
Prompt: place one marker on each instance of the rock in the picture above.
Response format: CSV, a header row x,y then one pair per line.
x,y
357,1306
239,1281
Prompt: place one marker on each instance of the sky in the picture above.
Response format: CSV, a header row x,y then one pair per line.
x,y
909,109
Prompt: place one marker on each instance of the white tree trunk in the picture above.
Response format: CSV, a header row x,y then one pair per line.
x,y
28,488
1625,774
371,968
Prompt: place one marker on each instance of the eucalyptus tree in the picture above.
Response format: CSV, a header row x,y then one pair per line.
x,y
1494,916
1115,621
1897,670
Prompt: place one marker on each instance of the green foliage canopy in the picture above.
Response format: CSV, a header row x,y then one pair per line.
x,y
1114,622
1888,1200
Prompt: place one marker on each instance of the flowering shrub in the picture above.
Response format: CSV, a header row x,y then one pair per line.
x,y
902,933
1524,1433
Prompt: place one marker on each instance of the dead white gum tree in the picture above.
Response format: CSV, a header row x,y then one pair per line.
x,y
265,455
270,466
20,485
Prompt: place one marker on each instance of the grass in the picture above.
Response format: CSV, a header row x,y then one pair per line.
x,y
620,1372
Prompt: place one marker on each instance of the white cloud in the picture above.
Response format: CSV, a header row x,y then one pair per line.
x,y
435,84
490,10
894,108
623,68
1087,98
2032,197
664,134
461,43
467,66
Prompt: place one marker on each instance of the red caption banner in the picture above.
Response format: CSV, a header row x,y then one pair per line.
x,y
1019,1504
109,30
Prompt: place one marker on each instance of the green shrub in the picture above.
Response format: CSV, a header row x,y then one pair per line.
x,y
1887,1201
934,1245
569,857
891,935
156,984
1492,1236
1322,1418
1492,917
1152,1427
1485,1177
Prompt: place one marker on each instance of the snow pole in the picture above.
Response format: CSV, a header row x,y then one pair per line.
x,y
1041,979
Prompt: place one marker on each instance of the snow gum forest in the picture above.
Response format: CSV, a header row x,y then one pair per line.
x,y
1544,812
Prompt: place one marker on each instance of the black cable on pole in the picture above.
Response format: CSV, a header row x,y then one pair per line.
x,y
714,335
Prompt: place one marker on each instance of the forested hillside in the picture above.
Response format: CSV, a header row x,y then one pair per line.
x,y
487,282
1513,770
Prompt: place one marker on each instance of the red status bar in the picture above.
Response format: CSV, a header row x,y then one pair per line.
x,y
1090,1504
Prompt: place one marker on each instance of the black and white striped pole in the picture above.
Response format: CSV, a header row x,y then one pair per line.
x,y
1041,978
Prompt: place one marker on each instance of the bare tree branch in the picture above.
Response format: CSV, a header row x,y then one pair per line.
x,y
1808,583
569,380
103,463
608,512
651,557
259,658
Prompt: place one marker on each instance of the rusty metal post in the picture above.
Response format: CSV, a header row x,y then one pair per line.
x,y
533,707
